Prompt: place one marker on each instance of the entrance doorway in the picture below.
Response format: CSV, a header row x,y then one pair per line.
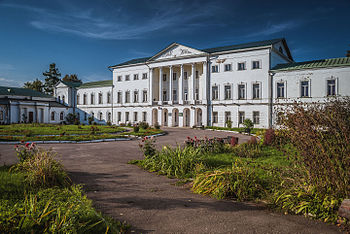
x,y
186,116
30,116
165,117
175,116
154,117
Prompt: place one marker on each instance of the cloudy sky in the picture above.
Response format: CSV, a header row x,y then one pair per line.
x,y
85,37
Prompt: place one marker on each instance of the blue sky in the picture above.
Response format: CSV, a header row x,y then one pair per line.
x,y
85,37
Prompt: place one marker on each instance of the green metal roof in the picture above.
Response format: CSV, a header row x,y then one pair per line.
x,y
71,84
102,83
220,49
323,63
13,91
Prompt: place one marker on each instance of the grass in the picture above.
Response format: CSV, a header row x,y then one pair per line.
x,y
54,129
35,209
144,132
253,131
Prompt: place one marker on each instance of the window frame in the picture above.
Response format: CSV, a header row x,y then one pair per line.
x,y
284,89
259,96
239,91
214,68
215,117
230,92
334,87
119,78
225,66
145,76
241,117
302,89
127,77
256,117
259,64
244,66
215,97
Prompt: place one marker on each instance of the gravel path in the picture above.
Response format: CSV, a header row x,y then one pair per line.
x,y
152,204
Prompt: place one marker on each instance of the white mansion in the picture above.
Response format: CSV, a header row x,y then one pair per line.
x,y
185,87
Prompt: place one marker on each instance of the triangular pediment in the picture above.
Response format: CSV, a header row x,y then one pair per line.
x,y
176,50
60,84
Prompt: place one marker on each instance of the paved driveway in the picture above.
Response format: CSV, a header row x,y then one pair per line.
x,y
152,204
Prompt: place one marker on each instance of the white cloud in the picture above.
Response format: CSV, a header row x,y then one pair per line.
x,y
85,23
9,82
271,29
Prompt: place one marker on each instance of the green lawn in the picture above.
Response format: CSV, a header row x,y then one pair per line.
x,y
253,131
144,132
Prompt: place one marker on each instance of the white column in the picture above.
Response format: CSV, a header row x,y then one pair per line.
x,y
170,84
160,85
191,91
204,83
181,82
151,86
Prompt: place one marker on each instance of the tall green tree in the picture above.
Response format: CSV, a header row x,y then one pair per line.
x,y
36,85
71,78
52,78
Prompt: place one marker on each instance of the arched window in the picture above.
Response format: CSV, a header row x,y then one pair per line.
x,y
63,99
92,97
78,99
52,115
109,117
61,115
100,101
84,100
100,116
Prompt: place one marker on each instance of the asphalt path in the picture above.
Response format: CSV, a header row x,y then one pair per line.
x,y
152,203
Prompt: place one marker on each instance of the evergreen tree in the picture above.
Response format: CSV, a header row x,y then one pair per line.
x,y
52,78
36,85
71,78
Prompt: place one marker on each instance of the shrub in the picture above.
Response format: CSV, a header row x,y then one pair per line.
x,y
71,118
42,170
26,151
229,123
136,128
269,136
320,133
239,181
148,147
247,150
144,125
157,126
109,123
90,120
215,145
248,125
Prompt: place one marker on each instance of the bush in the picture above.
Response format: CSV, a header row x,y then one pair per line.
x,y
71,118
109,123
215,145
239,181
248,126
157,126
320,133
269,137
229,124
144,125
42,170
25,152
247,150
136,128
90,120
148,147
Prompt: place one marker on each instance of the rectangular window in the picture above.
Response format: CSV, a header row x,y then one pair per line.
x,y
215,93
164,77
215,117
92,98
214,68
228,92
127,96
135,117
185,75
174,76
280,90
174,95
256,91
119,78
197,74
127,77
185,95
136,96
228,67
126,116
241,66
331,88
144,116
256,65
241,117
119,116
136,76
256,117
144,76
304,89
165,95
144,96
241,91
119,97
108,97
84,99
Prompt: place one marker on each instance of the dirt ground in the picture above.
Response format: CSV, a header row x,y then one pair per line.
x,y
152,203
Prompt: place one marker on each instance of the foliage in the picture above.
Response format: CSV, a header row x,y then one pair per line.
x,y
157,126
240,130
71,118
144,125
247,150
136,128
248,125
269,137
42,170
215,145
25,152
36,85
71,78
321,135
229,124
148,147
52,78
90,120
239,181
